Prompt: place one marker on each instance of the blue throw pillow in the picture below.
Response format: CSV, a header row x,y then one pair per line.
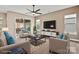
x,y
61,36
6,34
9,38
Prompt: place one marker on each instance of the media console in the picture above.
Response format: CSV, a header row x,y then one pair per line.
x,y
50,33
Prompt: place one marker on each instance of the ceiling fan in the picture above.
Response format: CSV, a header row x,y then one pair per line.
x,y
34,11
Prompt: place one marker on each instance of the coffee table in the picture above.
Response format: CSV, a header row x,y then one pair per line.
x,y
37,40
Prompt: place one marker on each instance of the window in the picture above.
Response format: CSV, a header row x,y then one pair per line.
x,y
70,23
38,25
22,25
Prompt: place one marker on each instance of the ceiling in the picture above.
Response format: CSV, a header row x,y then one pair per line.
x,y
23,8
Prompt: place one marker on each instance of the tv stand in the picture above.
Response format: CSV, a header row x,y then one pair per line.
x,y
50,33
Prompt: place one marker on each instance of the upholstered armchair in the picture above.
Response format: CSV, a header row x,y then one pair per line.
x,y
60,46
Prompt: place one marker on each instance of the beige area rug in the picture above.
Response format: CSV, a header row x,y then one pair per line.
x,y
40,49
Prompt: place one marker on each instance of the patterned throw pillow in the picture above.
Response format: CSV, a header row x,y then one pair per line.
x,y
3,39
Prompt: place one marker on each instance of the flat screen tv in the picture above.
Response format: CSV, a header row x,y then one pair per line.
x,y
49,24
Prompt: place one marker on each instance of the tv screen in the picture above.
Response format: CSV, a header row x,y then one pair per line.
x,y
50,24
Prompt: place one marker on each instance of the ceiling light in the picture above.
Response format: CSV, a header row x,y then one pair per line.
x,y
33,13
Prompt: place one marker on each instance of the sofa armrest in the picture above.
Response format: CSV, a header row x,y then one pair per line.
x,y
21,45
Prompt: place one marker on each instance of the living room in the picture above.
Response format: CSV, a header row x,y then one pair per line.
x,y
38,32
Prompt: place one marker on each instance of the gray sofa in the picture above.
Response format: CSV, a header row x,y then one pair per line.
x,y
24,45
21,44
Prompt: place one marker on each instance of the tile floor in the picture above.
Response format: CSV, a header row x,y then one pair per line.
x,y
44,49
74,47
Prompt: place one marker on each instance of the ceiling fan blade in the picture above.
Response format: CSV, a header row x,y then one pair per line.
x,y
29,10
38,13
33,11
37,10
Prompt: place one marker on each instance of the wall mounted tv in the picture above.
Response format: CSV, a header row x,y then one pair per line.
x,y
49,24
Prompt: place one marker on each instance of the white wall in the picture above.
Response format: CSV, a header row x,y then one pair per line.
x,y
11,21
59,17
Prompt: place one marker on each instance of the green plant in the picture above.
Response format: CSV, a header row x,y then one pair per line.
x,y
34,30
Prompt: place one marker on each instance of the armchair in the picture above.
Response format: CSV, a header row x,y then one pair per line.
x,y
60,46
